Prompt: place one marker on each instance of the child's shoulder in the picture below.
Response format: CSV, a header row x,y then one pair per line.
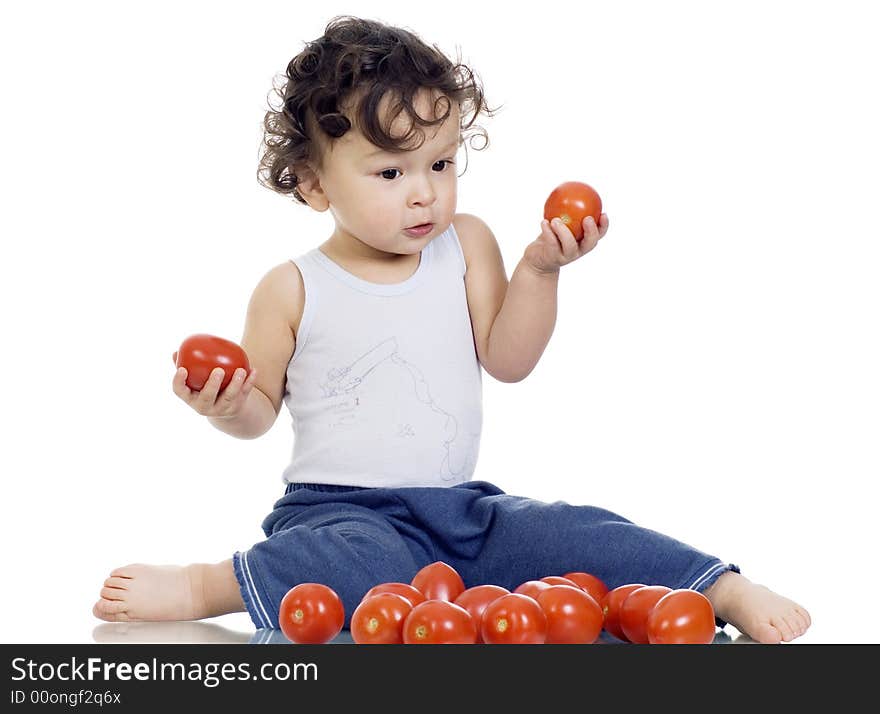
x,y
471,228
283,278
281,290
476,238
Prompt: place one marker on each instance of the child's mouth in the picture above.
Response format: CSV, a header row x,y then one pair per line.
x,y
420,230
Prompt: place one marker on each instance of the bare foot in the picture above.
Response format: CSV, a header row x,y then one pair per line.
x,y
169,592
757,611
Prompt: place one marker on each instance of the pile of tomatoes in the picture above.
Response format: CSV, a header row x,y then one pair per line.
x,y
437,608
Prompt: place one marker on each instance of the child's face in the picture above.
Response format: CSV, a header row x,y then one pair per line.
x,y
377,197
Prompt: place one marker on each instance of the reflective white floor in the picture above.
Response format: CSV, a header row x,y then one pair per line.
x,y
231,629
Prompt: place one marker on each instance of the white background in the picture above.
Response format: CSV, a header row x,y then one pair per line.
x,y
713,374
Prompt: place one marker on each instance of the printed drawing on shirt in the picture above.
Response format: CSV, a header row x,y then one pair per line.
x,y
347,385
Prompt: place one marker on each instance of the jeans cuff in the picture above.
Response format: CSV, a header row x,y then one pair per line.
x,y
247,584
708,577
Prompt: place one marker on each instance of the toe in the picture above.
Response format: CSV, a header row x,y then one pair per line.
x,y
111,610
767,634
786,628
805,617
803,621
117,582
126,571
112,594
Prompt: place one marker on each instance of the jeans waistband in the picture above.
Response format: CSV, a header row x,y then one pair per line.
x,y
325,487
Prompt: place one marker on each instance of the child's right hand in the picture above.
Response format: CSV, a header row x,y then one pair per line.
x,y
210,401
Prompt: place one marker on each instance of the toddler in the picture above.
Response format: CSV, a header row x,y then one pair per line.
x,y
376,340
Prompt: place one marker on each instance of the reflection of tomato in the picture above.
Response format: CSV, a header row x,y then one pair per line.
x,y
590,583
531,588
438,581
682,617
611,607
634,611
407,591
514,619
200,354
476,599
573,616
378,620
311,614
439,622
573,201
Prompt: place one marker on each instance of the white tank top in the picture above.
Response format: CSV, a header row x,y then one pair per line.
x,y
384,386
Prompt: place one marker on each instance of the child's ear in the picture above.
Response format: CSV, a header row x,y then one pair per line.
x,y
308,185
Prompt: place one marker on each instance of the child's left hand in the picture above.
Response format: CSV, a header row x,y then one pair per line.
x,y
557,246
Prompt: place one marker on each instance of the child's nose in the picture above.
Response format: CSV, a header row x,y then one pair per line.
x,y
422,193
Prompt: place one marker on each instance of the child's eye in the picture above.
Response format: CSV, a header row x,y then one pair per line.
x,y
390,174
442,164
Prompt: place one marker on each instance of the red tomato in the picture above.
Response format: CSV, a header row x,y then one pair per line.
x,y
531,588
573,616
407,591
514,619
590,583
634,611
311,614
439,622
611,607
200,354
476,599
682,617
378,620
573,201
438,581
559,580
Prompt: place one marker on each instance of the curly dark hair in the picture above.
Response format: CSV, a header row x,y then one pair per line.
x,y
358,62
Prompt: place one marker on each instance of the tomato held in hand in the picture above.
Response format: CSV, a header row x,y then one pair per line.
x,y
439,622
573,201
573,616
634,611
200,354
311,614
476,599
402,589
514,619
682,617
590,583
438,581
611,608
378,620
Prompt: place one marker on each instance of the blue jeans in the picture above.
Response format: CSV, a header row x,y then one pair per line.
x,y
354,538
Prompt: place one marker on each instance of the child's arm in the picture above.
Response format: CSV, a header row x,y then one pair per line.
x,y
513,321
249,405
